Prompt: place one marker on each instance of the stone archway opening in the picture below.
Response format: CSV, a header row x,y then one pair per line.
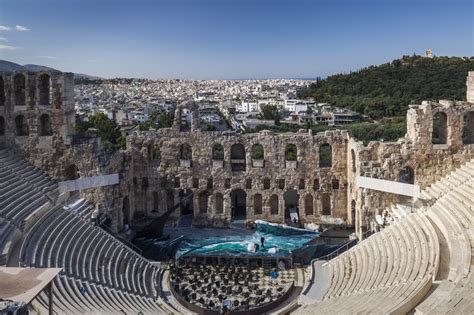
x,y
325,155
44,89
2,126
309,204
72,172
440,128
291,199
407,175
238,199
126,211
468,128
19,89
237,157
187,207
45,125
21,126
353,212
326,204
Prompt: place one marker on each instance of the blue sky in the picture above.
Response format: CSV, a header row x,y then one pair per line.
x,y
219,39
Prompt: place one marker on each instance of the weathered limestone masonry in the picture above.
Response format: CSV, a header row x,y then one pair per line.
x,y
231,175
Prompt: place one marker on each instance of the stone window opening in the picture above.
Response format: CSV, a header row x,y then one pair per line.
x,y
19,89
238,201
21,126
126,210
156,202
440,128
353,212
210,183
309,204
468,128
291,152
217,152
177,182
72,172
203,201
274,205
257,204
407,175
325,155
2,91
316,184
227,183
195,183
291,199
237,157
44,89
186,153
248,183
281,183
353,159
335,184
258,152
266,183
2,126
45,125
170,199
302,184
219,203
154,152
144,183
326,203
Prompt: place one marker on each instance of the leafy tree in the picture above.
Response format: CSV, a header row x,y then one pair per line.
x,y
107,130
218,152
257,152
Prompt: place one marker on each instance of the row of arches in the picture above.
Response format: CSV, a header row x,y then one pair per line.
x,y
43,84
22,128
238,154
440,130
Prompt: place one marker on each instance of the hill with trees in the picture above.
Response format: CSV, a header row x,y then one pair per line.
x,y
387,90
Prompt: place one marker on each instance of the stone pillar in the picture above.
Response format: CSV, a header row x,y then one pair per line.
x,y
470,87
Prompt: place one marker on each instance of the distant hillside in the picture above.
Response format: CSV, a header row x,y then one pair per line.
x,y
388,89
11,66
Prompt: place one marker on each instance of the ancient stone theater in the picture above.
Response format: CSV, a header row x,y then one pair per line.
x,y
409,202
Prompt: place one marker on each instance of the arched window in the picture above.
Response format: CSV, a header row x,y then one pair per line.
x,y
308,204
218,152
219,203
154,152
237,157
353,159
274,205
407,175
2,126
21,126
2,91
291,152
44,89
257,204
325,155
468,128
440,128
19,88
186,152
257,152
326,203
45,126
156,202
202,200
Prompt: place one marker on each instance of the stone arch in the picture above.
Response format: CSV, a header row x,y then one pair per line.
x,y
291,152
274,205
407,175
203,198
72,172
44,89
440,128
238,202
2,126
19,89
156,202
325,155
468,128
291,199
187,206
21,126
258,153
257,204
126,210
2,91
237,157
309,205
218,152
326,204
219,203
44,125
353,161
186,152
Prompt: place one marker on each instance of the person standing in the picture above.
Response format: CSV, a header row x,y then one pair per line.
x,y
262,241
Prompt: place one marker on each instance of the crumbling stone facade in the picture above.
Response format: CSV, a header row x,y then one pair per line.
x,y
232,175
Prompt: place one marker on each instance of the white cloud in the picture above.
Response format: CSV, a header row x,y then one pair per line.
x,y
45,57
5,28
3,39
21,28
7,47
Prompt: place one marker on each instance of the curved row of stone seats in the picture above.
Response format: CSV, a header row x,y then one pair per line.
x,y
7,232
401,255
453,214
62,239
23,189
395,299
96,299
